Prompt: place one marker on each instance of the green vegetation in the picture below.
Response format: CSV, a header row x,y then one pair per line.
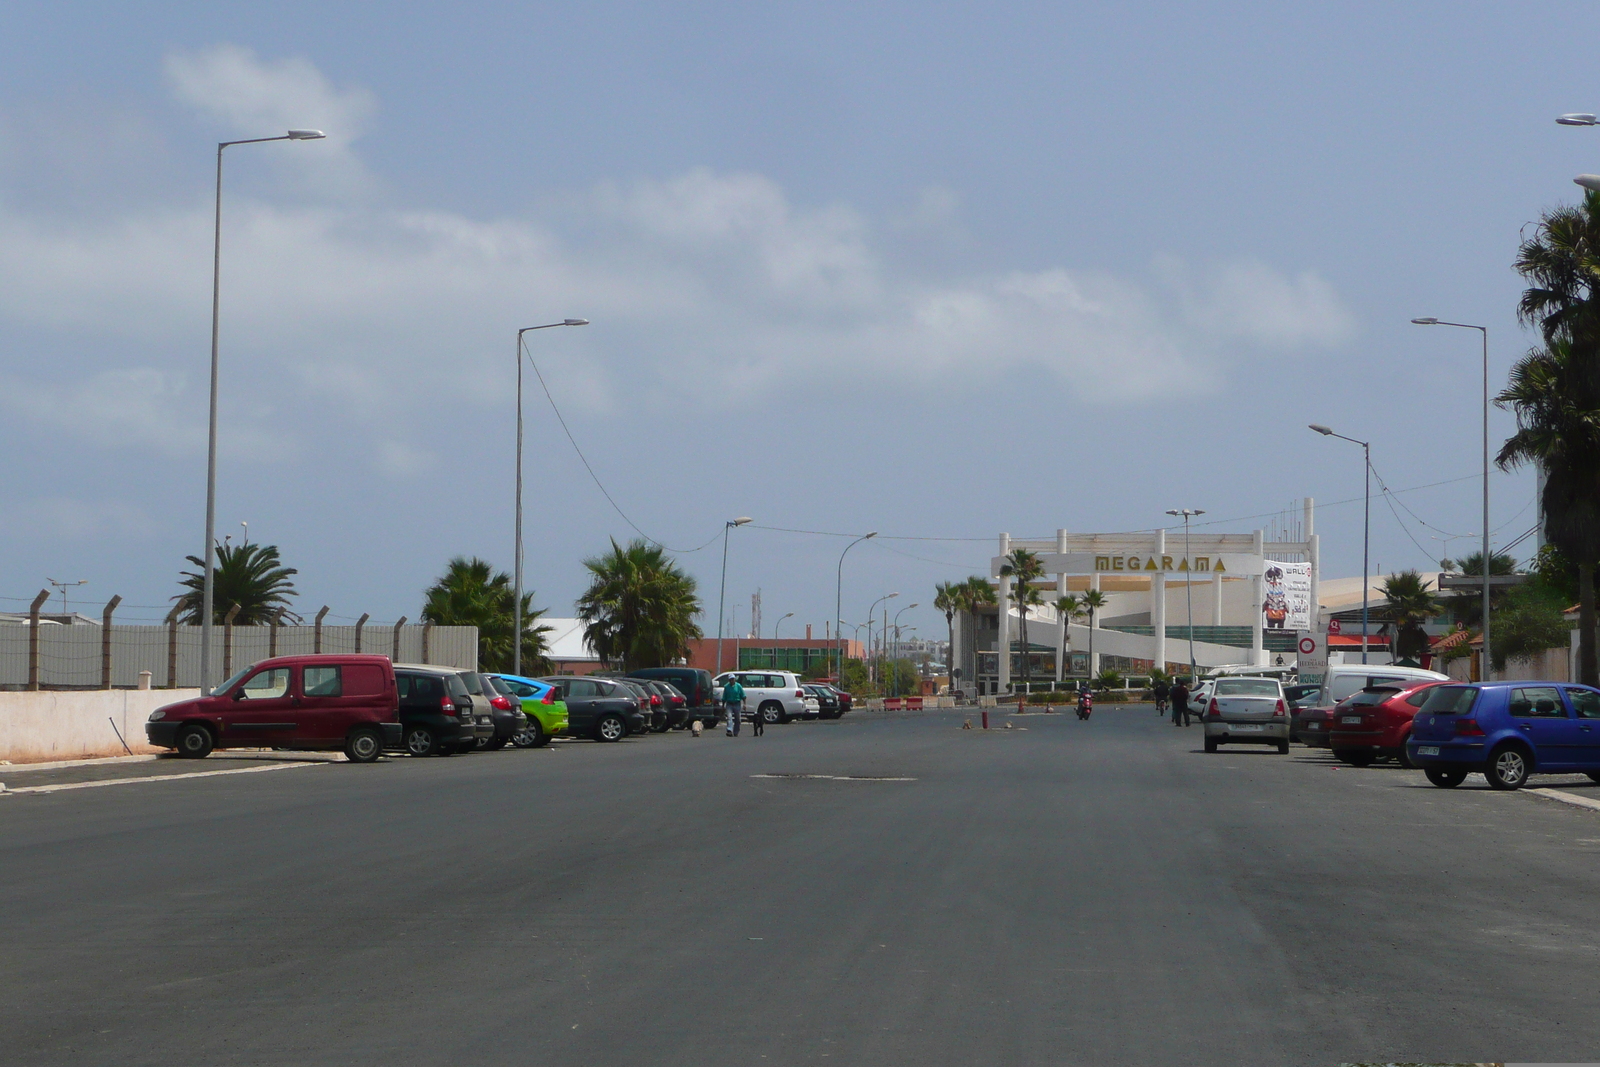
x,y
639,609
251,576
1411,603
1022,567
472,593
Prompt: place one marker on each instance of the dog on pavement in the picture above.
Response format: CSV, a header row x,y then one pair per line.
x,y
697,727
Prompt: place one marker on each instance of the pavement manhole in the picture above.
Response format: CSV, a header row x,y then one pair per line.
x,y
840,777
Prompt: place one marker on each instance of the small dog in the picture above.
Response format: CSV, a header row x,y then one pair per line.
x,y
696,727
967,725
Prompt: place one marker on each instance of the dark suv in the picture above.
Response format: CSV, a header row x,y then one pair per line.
x,y
436,713
693,683
601,708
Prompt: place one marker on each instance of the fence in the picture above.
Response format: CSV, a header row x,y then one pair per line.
x,y
106,657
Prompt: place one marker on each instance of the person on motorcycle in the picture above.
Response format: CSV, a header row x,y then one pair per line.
x,y
1085,703
1161,690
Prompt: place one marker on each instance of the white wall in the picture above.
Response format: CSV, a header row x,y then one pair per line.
x,y
78,725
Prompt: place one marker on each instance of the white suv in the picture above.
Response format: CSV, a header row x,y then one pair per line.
x,y
776,696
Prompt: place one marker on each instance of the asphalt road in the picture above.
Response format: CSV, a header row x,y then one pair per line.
x,y
1062,892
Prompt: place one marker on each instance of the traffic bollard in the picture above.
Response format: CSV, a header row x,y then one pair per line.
x,y
986,719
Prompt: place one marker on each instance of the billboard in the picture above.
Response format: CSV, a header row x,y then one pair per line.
x,y
1286,604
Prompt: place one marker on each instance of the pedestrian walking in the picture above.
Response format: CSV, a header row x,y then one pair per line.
x,y
733,702
1162,690
1180,703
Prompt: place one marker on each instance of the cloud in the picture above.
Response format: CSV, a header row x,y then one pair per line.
x,y
1251,301
140,406
76,520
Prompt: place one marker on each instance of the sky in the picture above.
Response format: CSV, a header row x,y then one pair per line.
x,y
940,270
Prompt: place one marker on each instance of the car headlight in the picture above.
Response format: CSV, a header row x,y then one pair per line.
x,y
157,716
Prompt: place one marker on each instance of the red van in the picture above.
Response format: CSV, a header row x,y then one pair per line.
x,y
300,702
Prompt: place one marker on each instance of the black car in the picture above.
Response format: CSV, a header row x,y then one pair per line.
x,y
842,699
827,700
601,708
436,712
650,701
505,710
693,683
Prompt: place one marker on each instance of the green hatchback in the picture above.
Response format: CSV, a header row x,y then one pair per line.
x,y
542,704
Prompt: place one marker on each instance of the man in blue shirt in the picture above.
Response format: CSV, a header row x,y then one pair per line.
x,y
733,701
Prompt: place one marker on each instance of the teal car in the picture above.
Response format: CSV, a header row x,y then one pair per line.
x,y
542,704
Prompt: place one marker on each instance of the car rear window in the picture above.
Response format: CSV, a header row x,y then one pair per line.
x,y
1247,687
1450,700
1370,696
457,687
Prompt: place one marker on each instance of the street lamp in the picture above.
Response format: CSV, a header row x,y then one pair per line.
x,y
870,616
722,592
1188,586
897,615
516,654
64,586
208,587
1588,181
1484,330
1366,525
838,611
775,639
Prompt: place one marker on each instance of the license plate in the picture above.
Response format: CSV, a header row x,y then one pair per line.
x,y
1427,750
1351,720
1246,729
1313,726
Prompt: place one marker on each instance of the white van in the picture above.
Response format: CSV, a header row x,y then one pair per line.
x,y
1347,679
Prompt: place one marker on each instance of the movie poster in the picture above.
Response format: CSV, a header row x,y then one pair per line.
x,y
1286,604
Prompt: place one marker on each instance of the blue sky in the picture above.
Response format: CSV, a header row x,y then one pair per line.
x,y
935,269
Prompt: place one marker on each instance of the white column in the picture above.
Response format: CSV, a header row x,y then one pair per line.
x,y
1061,591
1258,655
1094,657
1003,640
1216,597
1158,602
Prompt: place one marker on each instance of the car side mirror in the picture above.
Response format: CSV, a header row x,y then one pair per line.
x,y
238,694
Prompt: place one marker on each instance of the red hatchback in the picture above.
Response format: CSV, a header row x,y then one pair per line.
x,y
1375,723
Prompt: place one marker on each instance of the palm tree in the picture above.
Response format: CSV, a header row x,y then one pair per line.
x,y
639,608
1022,567
947,598
1093,601
1411,603
1069,608
1466,605
975,592
251,576
1555,392
473,593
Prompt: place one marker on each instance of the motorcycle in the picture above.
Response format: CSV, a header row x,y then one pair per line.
x,y
1085,706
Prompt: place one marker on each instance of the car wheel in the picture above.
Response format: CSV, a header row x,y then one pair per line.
x,y
1445,779
1283,748
1211,744
1343,756
419,741
772,713
1358,758
364,745
1594,776
482,742
1508,768
194,742
496,744
610,728
658,729
530,736
1403,757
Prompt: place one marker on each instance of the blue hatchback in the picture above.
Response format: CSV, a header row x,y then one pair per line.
x,y
1506,730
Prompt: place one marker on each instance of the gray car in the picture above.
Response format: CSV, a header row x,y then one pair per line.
x,y
1246,711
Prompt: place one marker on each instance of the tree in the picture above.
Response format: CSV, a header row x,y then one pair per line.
x,y
1530,621
1555,392
1093,601
1110,678
972,594
947,598
639,608
473,593
1411,603
1466,605
1069,609
1022,567
251,576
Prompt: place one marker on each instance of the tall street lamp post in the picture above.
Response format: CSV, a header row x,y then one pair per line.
x,y
1188,584
1487,569
775,626
516,630
871,615
208,589
1366,525
723,591
838,611
896,674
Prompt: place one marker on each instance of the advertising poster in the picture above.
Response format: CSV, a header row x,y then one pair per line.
x,y
1286,604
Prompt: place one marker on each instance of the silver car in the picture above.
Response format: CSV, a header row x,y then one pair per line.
x,y
1246,711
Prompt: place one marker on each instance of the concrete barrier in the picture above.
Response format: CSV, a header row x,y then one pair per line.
x,y
78,724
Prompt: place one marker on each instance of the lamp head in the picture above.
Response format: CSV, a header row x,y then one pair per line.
x,y
1588,181
891,596
1577,119
574,322
306,135
1323,430
740,521
874,533
908,607
1429,321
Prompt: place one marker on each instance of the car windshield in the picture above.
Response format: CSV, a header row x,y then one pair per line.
x,y
1450,700
235,680
1247,687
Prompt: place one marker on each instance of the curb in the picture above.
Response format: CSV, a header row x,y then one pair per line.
x,y
1565,798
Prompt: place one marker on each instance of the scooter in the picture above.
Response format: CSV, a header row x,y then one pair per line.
x,y
1085,706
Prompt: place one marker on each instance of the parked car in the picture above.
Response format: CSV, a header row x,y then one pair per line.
x,y
845,699
544,710
1309,726
777,696
298,702
1246,711
695,685
1344,680
505,713
1375,723
674,705
435,711
1301,695
1507,731
827,700
650,701
482,713
601,708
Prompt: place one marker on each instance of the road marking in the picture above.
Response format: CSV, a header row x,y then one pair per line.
x,y
838,777
150,778
1566,798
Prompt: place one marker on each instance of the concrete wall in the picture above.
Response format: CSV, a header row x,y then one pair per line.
x,y
78,725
